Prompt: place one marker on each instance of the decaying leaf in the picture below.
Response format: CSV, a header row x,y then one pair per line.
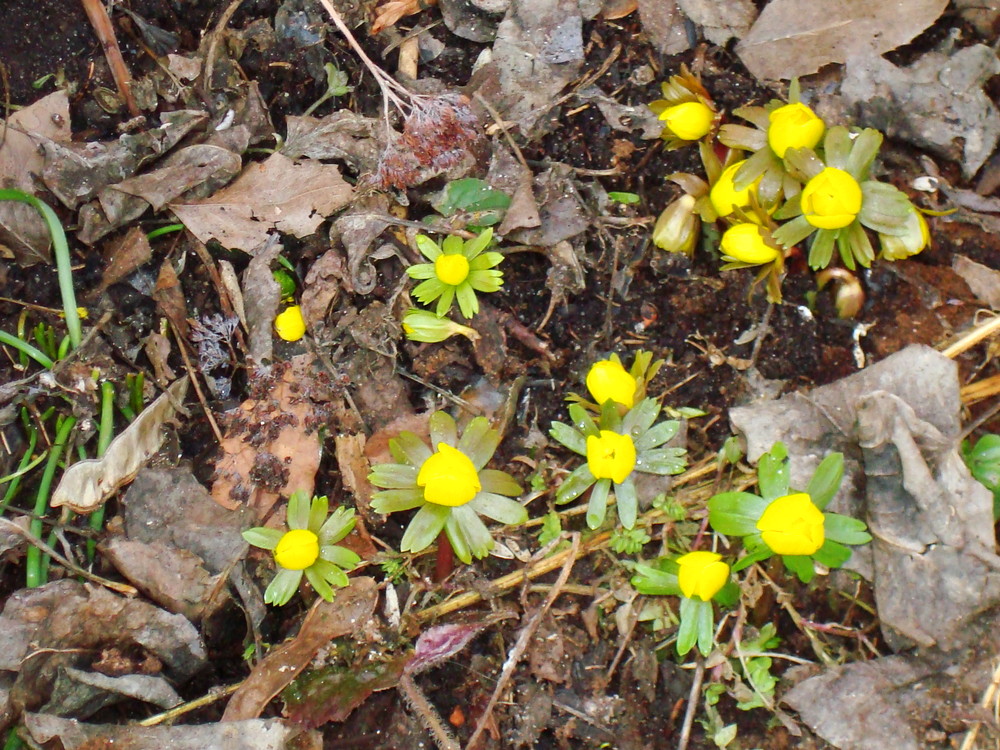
x,y
721,20
322,287
798,37
256,734
21,227
345,615
278,193
87,484
663,22
271,446
124,256
390,12
343,135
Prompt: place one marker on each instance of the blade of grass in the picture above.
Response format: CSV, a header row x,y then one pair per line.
x,y
33,564
25,465
60,249
25,348
104,436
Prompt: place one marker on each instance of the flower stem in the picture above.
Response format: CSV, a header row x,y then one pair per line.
x,y
445,562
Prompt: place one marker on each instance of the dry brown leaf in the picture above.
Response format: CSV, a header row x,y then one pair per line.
x,y
798,37
124,256
663,23
21,227
389,13
614,9
322,287
271,447
87,484
345,615
169,296
720,20
293,198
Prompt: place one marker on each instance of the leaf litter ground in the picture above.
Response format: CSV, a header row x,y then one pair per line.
x,y
589,673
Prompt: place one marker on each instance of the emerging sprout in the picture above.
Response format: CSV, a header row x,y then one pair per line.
x,y
458,269
289,324
308,548
421,325
616,447
449,485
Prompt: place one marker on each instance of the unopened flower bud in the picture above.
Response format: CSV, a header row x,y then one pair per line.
x,y
701,574
745,243
421,325
676,230
831,199
914,239
793,126
688,121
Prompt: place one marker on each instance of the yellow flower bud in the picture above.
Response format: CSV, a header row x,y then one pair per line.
x,y
916,237
422,325
676,230
701,574
608,379
451,269
724,195
290,324
688,121
793,126
297,549
745,243
831,199
448,477
610,456
792,525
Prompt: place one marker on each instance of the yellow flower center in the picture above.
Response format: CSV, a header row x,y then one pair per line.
x,y
792,525
701,574
610,456
290,325
793,126
724,195
608,379
688,121
744,242
451,269
297,550
448,477
831,199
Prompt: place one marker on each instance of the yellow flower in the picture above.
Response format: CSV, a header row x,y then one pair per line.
x,y
297,550
724,196
290,324
916,237
452,269
608,379
745,243
793,126
610,456
448,477
688,121
792,525
676,229
831,199
700,575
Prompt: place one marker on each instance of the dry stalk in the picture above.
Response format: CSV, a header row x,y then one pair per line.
x,y
105,32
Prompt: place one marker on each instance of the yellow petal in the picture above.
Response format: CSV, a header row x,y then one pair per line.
x,y
297,549
608,379
610,456
792,525
701,574
793,126
448,477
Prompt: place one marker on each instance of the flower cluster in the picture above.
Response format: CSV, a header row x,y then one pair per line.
x,y
787,178
448,484
623,439
307,549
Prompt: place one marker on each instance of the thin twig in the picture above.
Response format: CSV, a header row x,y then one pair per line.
x,y
523,639
105,32
972,337
176,711
121,588
197,385
692,705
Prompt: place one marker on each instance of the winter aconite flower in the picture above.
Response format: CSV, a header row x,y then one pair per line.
x,y
421,325
678,226
839,200
608,379
793,126
701,574
787,523
688,121
685,109
698,578
308,548
615,448
724,195
745,244
792,525
449,485
458,269
915,238
831,199
289,324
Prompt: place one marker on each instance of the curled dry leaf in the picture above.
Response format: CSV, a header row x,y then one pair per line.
x,y
86,485
345,615
389,13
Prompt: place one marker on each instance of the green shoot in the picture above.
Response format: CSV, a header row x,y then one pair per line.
x,y
34,576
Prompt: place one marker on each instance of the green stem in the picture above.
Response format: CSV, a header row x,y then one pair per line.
x,y
160,231
60,249
23,468
33,576
104,436
25,348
